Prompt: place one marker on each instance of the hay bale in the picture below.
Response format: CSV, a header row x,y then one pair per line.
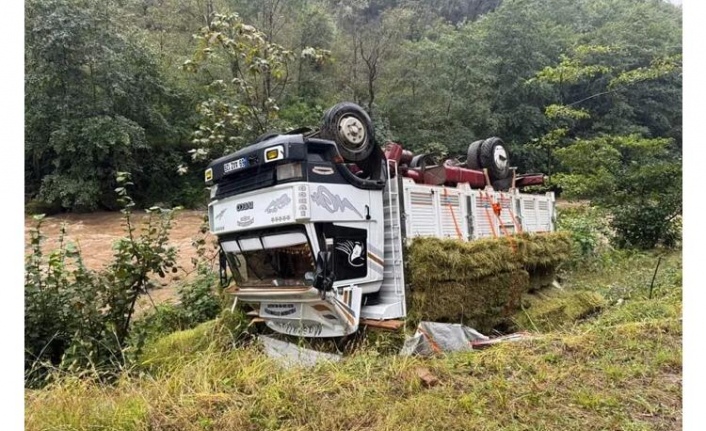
x,y
480,282
436,260
554,308
482,304
543,250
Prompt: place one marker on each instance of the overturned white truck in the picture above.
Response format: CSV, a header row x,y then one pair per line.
x,y
313,224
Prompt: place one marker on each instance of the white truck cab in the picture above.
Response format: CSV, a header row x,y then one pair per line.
x,y
318,243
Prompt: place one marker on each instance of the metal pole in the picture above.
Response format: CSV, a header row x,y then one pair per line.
x,y
654,276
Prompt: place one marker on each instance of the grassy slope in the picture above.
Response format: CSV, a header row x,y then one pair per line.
x,y
619,370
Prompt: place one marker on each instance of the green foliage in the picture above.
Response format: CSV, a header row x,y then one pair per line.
x,y
77,319
612,85
105,91
637,179
561,111
163,319
247,75
96,103
589,230
436,149
658,68
625,275
199,299
621,370
573,70
301,114
647,224
165,351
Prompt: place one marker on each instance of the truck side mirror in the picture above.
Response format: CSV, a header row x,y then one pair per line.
x,y
324,276
222,269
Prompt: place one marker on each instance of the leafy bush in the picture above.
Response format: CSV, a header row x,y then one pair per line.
x,y
638,180
77,319
645,225
199,300
589,230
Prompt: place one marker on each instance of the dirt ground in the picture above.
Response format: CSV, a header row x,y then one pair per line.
x,y
95,233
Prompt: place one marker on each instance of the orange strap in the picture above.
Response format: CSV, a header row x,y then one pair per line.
x,y
518,227
487,215
501,224
497,209
453,215
434,347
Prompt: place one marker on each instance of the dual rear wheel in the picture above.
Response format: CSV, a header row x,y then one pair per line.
x,y
491,154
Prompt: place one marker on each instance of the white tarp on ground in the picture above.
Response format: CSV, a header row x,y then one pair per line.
x,y
291,355
433,337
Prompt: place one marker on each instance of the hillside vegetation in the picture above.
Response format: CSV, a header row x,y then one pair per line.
x,y
587,92
619,369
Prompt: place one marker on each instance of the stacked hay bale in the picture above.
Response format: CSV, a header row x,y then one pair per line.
x,y
480,283
552,309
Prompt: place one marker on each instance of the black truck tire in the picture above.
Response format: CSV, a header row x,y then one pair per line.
x,y
422,161
495,157
473,156
350,127
502,185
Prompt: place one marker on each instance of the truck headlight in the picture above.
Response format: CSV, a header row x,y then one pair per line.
x,y
274,153
289,171
214,190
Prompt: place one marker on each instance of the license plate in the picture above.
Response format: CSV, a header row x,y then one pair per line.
x,y
235,164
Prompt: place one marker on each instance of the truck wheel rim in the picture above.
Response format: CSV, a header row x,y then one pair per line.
x,y
500,157
352,131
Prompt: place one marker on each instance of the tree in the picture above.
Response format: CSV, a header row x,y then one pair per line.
x,y
95,100
609,148
248,79
467,82
638,179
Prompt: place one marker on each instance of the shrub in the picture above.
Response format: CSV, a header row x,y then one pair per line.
x,y
77,319
645,225
199,300
589,230
638,180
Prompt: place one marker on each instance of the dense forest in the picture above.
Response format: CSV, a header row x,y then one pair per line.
x,y
586,91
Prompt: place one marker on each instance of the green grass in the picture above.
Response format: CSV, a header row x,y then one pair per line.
x,y
619,369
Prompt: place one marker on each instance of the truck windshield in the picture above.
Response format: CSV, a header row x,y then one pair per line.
x,y
285,266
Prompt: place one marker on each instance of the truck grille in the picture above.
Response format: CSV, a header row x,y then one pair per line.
x,y
246,181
